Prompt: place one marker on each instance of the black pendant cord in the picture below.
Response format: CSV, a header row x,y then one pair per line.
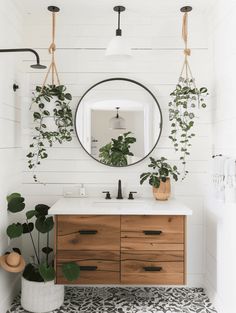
x,y
117,113
119,9
37,65
118,31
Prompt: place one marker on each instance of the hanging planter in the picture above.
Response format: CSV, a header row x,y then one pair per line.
x,y
186,98
52,114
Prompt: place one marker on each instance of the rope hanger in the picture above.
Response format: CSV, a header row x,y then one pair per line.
x,y
187,52
52,48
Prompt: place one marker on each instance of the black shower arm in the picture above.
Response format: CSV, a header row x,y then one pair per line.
x,y
23,50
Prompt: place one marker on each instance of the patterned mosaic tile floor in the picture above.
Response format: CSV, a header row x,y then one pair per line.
x,y
130,300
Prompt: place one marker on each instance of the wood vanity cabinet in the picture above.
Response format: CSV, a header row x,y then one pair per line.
x,y
127,249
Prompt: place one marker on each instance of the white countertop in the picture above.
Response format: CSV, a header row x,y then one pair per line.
x,y
98,206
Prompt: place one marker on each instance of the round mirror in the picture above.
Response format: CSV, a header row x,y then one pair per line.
x,y
118,122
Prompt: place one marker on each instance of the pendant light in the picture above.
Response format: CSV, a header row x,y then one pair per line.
x,y
117,122
118,46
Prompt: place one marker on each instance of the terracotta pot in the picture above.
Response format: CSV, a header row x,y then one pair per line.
x,y
163,192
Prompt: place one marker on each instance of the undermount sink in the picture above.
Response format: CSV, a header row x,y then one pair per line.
x,y
119,205
121,202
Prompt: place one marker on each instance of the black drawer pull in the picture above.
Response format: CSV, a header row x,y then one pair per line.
x,y
152,232
88,232
152,268
88,268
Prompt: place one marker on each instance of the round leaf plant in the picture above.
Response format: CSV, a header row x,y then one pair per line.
x,y
37,220
57,99
182,115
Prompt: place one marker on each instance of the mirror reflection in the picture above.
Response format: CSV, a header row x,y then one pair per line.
x,y
118,122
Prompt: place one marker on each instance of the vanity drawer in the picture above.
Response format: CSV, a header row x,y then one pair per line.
x,y
152,232
152,268
84,232
96,267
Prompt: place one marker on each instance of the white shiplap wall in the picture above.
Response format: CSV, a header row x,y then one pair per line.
x,y
10,169
157,62
220,216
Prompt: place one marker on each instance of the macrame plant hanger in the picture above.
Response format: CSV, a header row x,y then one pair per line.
x,y
52,48
186,70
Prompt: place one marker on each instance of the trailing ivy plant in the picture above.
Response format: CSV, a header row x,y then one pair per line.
x,y
116,152
60,114
37,221
182,114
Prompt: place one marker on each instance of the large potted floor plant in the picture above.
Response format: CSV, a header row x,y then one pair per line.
x,y
39,293
159,178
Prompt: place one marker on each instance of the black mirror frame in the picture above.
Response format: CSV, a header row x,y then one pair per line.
x,y
131,81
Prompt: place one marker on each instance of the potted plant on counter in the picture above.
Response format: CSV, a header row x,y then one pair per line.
x,y
39,293
159,178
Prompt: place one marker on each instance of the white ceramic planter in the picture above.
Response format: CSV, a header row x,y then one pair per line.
x,y
41,297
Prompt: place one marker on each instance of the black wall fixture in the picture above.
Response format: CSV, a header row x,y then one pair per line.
x,y
37,65
15,87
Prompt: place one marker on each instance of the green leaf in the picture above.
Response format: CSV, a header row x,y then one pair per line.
x,y
71,271
31,273
27,228
47,250
47,272
16,204
12,196
203,90
175,177
37,115
43,224
14,230
31,214
17,250
42,209
68,96
45,112
144,177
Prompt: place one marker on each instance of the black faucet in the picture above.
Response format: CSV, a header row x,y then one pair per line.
x,y
119,194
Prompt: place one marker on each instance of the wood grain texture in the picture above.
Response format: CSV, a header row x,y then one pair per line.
x,y
149,244
106,238
133,269
152,278
134,238
153,256
124,264
107,263
165,223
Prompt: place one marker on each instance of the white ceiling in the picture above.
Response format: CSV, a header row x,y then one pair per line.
x,y
148,8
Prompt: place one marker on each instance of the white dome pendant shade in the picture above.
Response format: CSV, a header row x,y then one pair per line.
x,y
117,122
118,46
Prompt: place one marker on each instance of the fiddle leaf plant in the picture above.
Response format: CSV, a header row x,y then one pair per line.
x,y
37,220
161,170
182,115
50,102
116,152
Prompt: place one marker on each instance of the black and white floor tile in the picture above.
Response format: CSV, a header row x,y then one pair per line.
x,y
130,300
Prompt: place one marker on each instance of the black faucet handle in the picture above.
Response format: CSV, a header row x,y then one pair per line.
x,y
108,195
131,195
